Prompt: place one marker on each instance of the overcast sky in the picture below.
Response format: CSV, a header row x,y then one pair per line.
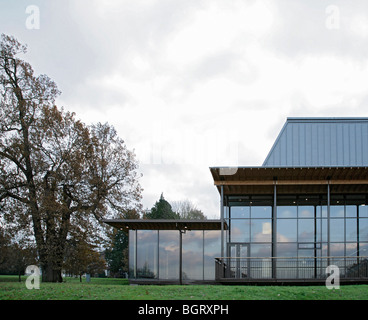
x,y
190,84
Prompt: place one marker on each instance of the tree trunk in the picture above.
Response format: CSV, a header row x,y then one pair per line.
x,y
51,274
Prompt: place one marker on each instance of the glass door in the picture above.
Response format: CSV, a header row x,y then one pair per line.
x,y
239,260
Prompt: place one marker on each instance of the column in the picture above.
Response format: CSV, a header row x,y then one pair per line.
x,y
274,230
222,220
180,257
328,221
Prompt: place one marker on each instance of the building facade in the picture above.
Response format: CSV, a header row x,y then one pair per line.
x,y
304,209
172,251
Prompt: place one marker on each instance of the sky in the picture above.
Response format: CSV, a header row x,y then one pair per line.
x,y
191,84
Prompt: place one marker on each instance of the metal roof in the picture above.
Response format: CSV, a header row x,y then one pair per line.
x,y
165,224
320,142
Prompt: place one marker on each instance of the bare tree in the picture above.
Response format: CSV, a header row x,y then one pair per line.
x,y
187,210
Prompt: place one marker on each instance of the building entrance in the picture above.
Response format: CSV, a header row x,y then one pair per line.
x,y
239,260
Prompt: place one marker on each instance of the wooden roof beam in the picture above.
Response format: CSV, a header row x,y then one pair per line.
x,y
289,182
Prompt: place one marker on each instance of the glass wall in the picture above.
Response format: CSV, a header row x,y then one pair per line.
x,y
250,221
307,226
132,254
363,230
301,228
193,255
212,250
295,238
154,254
168,254
147,257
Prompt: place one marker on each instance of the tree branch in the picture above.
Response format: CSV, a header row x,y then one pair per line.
x,y
18,164
14,196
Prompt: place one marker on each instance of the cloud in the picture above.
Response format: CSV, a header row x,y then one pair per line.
x,y
190,84
302,28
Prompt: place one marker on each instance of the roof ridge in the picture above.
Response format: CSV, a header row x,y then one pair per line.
x,y
326,119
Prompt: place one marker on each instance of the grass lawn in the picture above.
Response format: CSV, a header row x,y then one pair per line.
x,y
119,289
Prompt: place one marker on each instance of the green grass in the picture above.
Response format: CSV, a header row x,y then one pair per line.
x,y
118,289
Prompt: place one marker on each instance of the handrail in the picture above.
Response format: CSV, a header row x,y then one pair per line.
x,y
331,257
289,267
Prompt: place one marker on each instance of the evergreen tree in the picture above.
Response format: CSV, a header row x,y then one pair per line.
x,y
117,254
162,210
117,257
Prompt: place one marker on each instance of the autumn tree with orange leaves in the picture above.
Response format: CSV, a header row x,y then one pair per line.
x,y
58,176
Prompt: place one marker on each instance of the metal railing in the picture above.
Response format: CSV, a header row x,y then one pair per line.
x,y
289,268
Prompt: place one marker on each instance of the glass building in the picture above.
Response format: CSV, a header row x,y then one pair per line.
x,y
172,251
291,223
158,254
304,209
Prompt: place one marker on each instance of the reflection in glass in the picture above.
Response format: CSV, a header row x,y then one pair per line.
x,y
306,267
261,230
287,250
363,229
298,235
212,250
240,212
285,268
351,211
306,212
321,230
305,230
321,211
260,250
132,248
351,249
147,253
193,255
305,253
240,230
363,211
337,212
337,249
287,230
169,254
351,230
363,249
286,212
337,230
261,212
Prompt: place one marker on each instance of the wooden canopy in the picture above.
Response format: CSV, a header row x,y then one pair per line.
x,y
165,224
261,180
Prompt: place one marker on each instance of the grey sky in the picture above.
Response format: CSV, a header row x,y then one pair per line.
x,y
190,84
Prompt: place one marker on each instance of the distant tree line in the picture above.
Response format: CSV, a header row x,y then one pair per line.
x,y
177,210
15,257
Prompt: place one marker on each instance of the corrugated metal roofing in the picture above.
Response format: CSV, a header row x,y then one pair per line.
x,y
321,142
